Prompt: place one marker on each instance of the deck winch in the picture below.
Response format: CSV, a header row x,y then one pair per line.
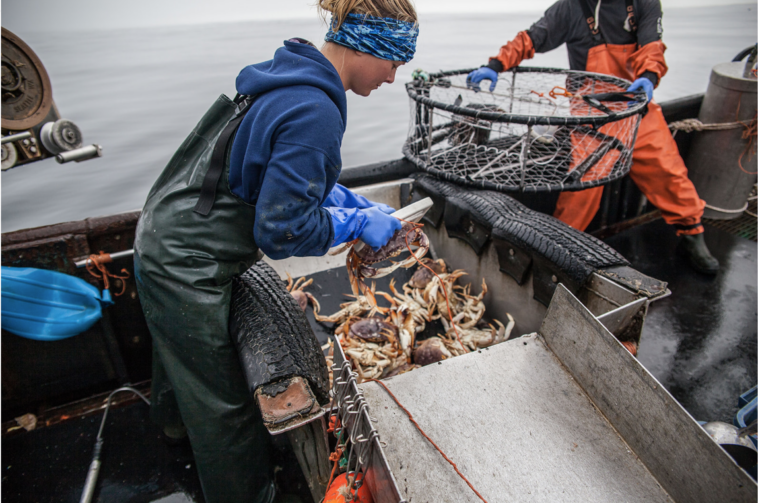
x,y
32,127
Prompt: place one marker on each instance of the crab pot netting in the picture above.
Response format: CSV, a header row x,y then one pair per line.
x,y
540,130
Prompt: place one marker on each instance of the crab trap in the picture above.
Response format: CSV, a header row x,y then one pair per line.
x,y
541,130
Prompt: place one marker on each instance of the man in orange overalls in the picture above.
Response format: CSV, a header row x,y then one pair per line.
x,y
620,38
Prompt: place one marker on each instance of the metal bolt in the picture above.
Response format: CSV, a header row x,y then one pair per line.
x,y
554,278
512,252
33,149
33,140
25,142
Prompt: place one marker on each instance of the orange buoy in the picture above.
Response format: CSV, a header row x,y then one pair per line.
x,y
631,347
339,490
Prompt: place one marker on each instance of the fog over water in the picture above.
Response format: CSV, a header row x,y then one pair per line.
x,y
138,92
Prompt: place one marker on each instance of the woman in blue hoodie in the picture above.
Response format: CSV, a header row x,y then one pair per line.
x,y
269,186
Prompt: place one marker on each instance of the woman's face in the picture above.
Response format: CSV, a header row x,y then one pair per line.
x,y
368,72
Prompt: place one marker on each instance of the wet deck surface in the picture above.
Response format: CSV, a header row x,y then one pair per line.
x,y
50,464
700,342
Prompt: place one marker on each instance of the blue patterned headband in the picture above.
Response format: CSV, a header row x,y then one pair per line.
x,y
383,37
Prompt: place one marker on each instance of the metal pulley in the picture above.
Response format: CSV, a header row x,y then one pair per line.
x,y
60,136
9,156
27,93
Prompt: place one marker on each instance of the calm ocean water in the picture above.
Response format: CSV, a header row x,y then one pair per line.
x,y
139,92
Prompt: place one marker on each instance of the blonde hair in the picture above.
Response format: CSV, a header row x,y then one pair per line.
x,y
402,10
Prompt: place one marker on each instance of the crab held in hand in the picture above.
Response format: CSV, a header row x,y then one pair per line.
x,y
362,261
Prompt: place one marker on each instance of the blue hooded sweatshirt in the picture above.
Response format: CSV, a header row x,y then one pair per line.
x,y
286,159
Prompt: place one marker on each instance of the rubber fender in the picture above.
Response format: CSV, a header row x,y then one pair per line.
x,y
461,222
513,261
433,217
545,278
272,334
574,253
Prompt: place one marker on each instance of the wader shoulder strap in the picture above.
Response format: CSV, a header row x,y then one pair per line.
x,y
210,182
589,17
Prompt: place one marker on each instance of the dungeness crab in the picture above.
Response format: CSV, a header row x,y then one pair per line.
x,y
361,261
297,290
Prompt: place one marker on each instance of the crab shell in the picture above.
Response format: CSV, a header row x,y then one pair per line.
x,y
423,276
402,369
373,330
301,298
409,233
431,351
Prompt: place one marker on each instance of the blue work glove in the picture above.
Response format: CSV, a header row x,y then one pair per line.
x,y
379,228
483,73
342,197
644,84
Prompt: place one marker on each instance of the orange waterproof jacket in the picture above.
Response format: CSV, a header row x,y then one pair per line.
x,y
564,22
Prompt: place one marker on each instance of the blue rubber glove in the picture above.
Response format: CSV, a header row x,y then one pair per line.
x,y
644,84
379,228
348,223
483,73
342,197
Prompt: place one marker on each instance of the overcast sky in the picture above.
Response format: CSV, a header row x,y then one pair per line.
x,y
46,15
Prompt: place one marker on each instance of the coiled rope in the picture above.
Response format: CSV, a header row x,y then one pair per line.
x,y
97,263
690,125
749,133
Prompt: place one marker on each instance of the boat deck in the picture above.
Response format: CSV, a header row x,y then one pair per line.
x,y
700,343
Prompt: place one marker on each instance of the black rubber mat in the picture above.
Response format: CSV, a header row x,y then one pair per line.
x,y
744,226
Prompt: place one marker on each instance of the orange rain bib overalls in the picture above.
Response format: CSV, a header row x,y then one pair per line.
x,y
657,168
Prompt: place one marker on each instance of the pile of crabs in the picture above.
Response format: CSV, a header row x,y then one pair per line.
x,y
387,341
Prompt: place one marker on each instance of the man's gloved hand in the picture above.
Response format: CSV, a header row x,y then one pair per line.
x,y
379,228
483,73
644,84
